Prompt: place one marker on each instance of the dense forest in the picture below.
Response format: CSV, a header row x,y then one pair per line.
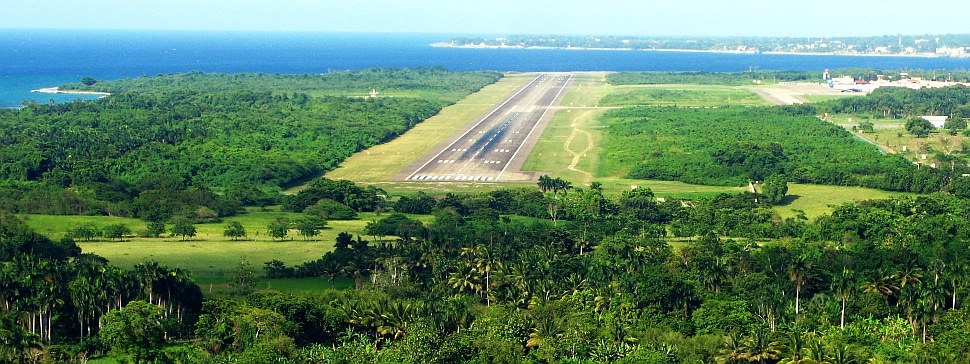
x,y
587,278
433,82
246,135
896,102
732,145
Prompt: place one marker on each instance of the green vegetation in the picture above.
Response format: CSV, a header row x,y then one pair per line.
x,y
160,147
901,103
875,280
730,146
682,95
382,162
599,269
710,78
421,83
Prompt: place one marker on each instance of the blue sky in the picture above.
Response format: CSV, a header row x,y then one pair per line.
x,y
600,17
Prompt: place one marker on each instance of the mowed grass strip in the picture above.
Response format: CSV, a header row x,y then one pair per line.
x,y
681,95
572,131
382,162
209,254
579,124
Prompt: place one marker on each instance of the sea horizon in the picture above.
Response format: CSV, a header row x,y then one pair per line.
x,y
37,58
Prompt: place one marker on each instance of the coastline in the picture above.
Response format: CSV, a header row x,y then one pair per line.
x,y
56,90
480,46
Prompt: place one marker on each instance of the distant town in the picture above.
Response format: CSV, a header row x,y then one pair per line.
x,y
949,45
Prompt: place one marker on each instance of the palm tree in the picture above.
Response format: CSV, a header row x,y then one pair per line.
x,y
880,282
760,348
796,347
956,273
816,351
800,271
843,285
842,355
733,349
909,274
83,296
932,299
545,184
148,274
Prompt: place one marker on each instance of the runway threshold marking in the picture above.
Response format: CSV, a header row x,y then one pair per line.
x,y
496,109
524,141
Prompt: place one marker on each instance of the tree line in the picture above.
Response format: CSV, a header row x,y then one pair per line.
x,y
733,145
546,274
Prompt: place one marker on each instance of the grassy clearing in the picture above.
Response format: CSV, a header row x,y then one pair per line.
x,y
816,200
586,90
382,162
681,95
208,255
614,186
570,146
892,134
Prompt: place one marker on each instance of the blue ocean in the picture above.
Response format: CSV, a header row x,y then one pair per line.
x,y
32,59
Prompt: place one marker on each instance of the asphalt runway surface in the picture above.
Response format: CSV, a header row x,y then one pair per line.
x,y
494,147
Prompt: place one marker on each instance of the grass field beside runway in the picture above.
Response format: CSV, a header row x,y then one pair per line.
x,y
384,161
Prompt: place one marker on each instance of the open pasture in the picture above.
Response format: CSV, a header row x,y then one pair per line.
x,y
208,255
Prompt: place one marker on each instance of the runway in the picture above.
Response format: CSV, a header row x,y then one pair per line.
x,y
494,147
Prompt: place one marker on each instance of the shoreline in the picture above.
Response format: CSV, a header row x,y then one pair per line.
x,y
57,90
478,46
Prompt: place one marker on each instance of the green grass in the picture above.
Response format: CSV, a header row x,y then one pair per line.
x,y
586,90
821,98
816,200
892,134
681,95
569,147
579,124
383,162
208,255
220,286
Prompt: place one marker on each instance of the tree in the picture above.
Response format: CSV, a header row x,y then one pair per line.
x,y
774,188
328,209
243,277
919,127
310,226
278,228
843,285
135,329
183,228
234,230
88,81
800,271
84,232
154,229
954,124
116,231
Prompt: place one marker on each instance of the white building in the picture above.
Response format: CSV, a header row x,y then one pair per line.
x,y
937,121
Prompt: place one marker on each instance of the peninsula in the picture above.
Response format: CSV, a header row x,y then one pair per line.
x,y
948,45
